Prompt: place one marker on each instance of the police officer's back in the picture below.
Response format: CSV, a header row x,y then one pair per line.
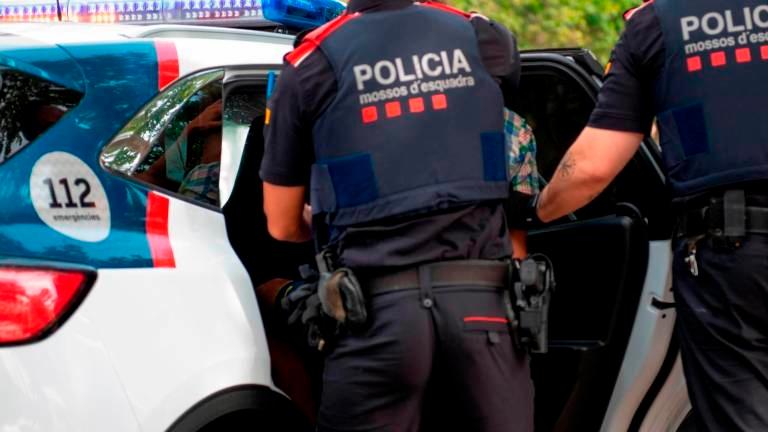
x,y
697,67
393,116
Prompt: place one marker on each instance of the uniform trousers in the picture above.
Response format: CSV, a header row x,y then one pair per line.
x,y
722,326
430,359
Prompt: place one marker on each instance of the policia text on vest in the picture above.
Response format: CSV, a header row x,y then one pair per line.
x,y
726,28
411,76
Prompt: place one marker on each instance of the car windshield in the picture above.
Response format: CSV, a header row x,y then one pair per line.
x,y
28,107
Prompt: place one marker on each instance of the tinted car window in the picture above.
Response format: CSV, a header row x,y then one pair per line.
x,y
175,142
28,107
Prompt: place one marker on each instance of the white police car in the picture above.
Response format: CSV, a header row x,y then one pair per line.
x,y
132,236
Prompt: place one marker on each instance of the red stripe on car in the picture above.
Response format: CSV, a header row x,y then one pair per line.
x,y
157,231
167,63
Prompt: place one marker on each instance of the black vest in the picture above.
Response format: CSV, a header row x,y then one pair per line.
x,y
417,123
712,93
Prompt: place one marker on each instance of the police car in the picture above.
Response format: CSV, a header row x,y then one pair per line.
x,y
132,236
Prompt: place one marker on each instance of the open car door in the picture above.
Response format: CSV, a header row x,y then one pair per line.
x,y
611,318
612,363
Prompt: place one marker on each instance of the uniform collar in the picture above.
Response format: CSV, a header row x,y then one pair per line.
x,y
376,5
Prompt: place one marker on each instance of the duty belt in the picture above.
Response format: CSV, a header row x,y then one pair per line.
x,y
724,216
468,273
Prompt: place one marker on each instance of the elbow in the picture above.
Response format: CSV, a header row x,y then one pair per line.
x,y
598,177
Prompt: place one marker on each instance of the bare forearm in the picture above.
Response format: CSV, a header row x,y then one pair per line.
x,y
572,187
301,233
286,213
594,160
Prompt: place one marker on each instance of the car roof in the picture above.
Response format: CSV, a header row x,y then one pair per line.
x,y
198,47
69,32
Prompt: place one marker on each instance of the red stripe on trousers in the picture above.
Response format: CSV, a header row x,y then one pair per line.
x,y
486,319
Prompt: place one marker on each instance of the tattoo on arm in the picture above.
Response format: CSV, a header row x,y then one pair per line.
x,y
566,166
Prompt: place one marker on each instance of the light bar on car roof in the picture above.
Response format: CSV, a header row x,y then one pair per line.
x,y
297,14
302,13
234,13
28,11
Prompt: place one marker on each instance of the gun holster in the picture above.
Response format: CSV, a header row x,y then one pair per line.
x,y
531,290
340,293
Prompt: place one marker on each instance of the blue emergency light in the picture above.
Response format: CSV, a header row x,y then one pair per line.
x,y
294,14
302,13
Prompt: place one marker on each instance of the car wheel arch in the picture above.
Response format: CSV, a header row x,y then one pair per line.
x,y
233,405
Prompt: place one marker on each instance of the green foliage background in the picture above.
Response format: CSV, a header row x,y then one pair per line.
x,y
593,24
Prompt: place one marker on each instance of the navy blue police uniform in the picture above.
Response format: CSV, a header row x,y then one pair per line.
x,y
392,115
703,62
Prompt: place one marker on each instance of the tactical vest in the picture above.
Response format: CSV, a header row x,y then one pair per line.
x,y
711,96
417,123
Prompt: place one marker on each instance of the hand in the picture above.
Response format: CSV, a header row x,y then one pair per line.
x,y
295,300
307,215
208,119
302,305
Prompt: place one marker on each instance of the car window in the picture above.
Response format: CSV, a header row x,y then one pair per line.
x,y
244,104
244,108
175,142
28,107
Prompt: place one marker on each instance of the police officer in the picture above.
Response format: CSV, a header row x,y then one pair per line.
x,y
390,119
698,67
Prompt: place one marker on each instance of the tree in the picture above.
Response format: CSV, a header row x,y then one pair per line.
x,y
592,24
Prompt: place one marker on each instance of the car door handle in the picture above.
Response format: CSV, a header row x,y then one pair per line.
x,y
662,305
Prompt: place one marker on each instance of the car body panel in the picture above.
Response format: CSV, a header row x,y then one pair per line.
x,y
172,318
126,72
651,335
40,59
158,325
671,407
634,351
66,382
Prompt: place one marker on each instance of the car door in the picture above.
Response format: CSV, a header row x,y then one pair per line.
x,y
245,94
199,330
610,319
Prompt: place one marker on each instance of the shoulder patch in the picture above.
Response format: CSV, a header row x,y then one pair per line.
x,y
630,13
446,8
312,40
